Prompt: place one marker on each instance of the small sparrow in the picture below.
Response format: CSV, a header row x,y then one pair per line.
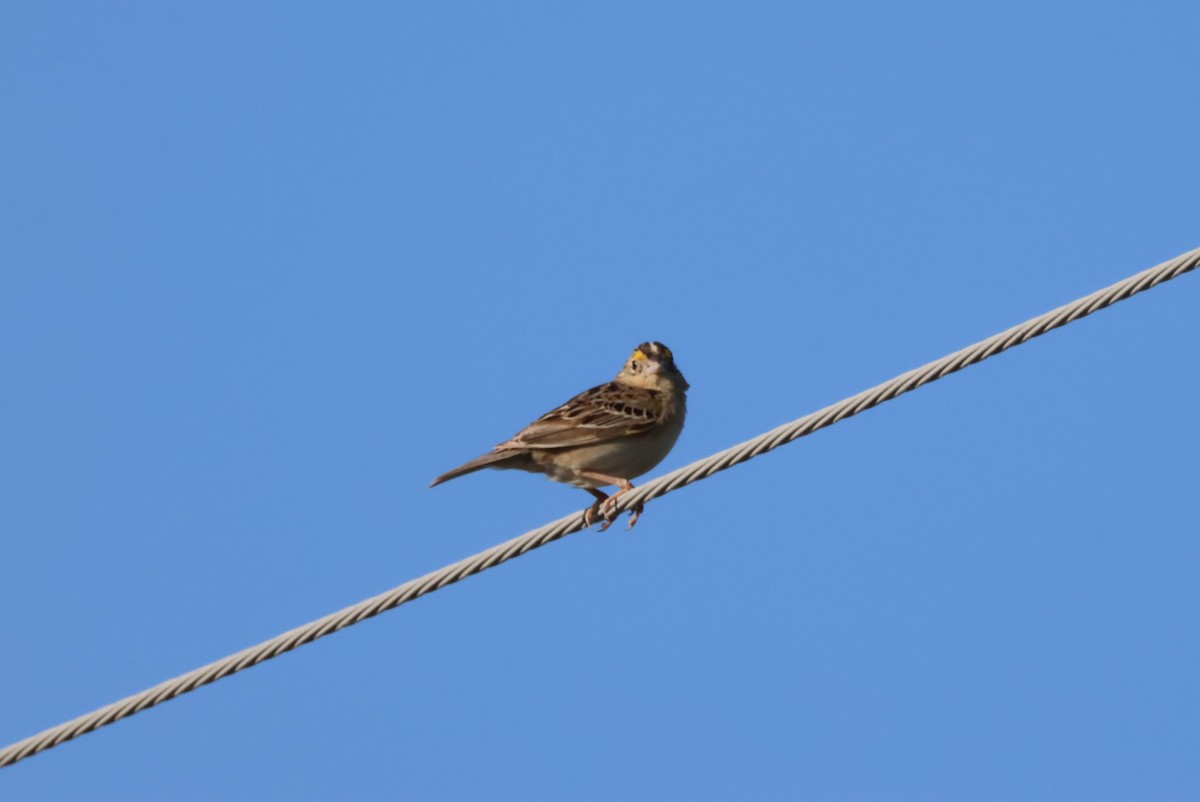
x,y
604,436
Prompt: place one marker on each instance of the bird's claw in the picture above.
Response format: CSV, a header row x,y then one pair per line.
x,y
605,508
589,515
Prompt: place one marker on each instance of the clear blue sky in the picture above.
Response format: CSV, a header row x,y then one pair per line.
x,y
267,269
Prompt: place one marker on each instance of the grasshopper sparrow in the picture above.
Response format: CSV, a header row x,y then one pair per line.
x,y
604,436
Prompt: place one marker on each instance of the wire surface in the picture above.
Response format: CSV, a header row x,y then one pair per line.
x,y
537,538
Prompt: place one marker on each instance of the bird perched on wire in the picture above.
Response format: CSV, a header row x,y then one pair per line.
x,y
604,436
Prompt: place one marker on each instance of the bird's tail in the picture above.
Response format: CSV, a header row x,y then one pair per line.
x,y
493,459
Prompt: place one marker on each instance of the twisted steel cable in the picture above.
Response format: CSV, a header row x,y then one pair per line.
x,y
682,477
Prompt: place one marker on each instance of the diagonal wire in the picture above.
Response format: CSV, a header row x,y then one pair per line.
x,y
537,538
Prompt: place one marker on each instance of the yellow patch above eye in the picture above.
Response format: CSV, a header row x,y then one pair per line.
x,y
638,355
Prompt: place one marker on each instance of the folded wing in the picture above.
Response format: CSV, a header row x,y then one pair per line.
x,y
602,413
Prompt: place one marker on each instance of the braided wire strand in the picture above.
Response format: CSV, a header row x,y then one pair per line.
x,y
701,469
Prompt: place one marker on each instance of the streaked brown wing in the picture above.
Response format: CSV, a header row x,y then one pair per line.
x,y
602,413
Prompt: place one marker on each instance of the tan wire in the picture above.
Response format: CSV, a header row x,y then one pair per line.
x,y
698,470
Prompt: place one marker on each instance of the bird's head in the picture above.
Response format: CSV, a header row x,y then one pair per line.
x,y
652,365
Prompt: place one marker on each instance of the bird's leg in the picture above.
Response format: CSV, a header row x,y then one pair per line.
x,y
589,516
605,507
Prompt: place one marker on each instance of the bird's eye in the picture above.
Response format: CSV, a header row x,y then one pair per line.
x,y
635,366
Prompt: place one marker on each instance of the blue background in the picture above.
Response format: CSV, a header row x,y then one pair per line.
x,y
270,268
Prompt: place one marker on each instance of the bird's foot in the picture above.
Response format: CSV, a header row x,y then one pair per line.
x,y
634,514
605,504
607,509
593,513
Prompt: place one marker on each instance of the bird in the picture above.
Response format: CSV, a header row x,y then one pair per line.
x,y
602,437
